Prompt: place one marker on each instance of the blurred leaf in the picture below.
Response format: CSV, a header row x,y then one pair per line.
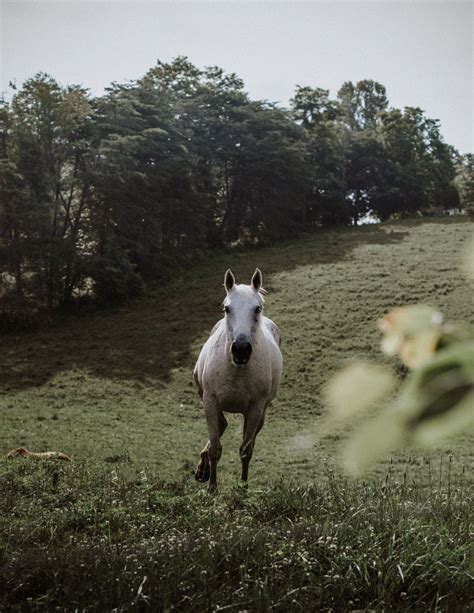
x,y
358,387
438,399
455,333
410,320
436,402
458,419
412,332
417,350
377,438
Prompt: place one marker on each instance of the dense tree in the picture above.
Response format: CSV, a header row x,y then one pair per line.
x,y
367,177
362,104
101,195
44,157
465,181
144,205
325,168
420,166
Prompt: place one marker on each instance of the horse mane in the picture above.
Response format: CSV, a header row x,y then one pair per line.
x,y
261,294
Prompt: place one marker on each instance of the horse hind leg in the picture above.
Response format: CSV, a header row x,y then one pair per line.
x,y
203,470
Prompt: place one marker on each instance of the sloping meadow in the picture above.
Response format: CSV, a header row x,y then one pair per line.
x,y
124,525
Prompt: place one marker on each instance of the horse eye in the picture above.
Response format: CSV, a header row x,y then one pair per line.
x,y
227,309
258,309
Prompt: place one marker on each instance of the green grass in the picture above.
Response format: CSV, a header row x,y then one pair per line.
x,y
84,538
114,390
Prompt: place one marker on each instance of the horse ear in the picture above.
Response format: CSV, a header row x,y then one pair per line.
x,y
229,280
256,282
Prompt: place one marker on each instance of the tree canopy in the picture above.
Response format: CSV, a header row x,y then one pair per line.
x,y
100,195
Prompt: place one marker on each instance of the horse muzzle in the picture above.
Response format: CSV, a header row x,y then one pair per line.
x,y
241,351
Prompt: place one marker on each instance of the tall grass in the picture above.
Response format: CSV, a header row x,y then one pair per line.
x,y
81,537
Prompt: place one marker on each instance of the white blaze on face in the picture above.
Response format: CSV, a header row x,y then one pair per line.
x,y
242,307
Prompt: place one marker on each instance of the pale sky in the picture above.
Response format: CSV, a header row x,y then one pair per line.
x,y
420,50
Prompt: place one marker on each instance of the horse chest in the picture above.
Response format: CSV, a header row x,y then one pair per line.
x,y
239,391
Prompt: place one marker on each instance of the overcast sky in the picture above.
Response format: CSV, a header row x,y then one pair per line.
x,y
421,51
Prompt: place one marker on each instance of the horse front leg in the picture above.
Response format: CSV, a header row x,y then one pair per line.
x,y
203,469
253,423
215,447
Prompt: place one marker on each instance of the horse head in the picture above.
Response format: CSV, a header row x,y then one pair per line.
x,y
243,306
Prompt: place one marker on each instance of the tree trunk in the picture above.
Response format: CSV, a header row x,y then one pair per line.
x,y
18,273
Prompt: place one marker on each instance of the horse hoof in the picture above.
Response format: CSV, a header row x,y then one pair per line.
x,y
203,471
201,476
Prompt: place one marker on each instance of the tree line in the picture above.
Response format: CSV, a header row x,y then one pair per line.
x,y
101,195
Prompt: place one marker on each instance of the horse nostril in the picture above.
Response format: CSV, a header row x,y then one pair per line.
x,y
241,351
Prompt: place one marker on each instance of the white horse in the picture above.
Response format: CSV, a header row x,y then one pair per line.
x,y
238,371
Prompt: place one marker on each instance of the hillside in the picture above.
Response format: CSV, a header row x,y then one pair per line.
x,y
117,386
125,527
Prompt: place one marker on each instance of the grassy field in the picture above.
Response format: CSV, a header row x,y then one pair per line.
x,y
125,526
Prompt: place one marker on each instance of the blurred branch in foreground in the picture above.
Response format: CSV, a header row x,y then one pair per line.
x,y
435,402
